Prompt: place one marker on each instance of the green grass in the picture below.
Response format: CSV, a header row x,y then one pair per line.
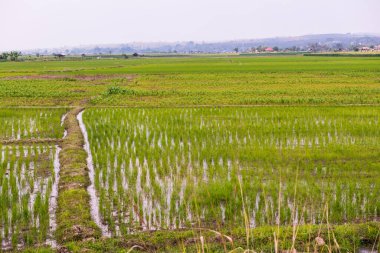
x,y
350,237
73,213
191,65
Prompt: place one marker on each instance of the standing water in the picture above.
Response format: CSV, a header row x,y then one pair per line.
x,y
94,202
62,122
53,200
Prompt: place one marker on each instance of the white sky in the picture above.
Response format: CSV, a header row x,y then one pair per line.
x,y
26,24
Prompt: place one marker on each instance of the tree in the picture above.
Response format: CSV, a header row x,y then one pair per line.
x,y
275,49
13,55
315,47
4,56
236,50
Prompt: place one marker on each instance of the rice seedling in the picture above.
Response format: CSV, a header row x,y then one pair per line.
x,y
29,170
181,168
24,124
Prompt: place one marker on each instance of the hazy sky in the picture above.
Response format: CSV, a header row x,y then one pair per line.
x,y
26,24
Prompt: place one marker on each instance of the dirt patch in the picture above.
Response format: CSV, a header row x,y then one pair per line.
x,y
70,77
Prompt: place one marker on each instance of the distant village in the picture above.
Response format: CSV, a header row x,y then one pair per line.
x,y
314,48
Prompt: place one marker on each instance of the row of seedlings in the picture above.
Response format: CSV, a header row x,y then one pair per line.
x,y
174,168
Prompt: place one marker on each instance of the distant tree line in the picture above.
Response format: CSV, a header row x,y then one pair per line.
x,y
10,56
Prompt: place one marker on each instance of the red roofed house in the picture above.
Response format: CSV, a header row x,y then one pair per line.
x,y
269,49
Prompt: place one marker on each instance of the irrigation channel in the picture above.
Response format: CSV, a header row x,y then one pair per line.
x,y
54,193
94,202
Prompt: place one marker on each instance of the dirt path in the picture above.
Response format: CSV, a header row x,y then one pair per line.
x,y
74,222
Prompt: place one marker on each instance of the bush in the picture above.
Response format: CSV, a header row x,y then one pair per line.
x,y
114,90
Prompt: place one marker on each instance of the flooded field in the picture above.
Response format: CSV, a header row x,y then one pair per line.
x,y
29,173
20,124
179,168
94,201
28,192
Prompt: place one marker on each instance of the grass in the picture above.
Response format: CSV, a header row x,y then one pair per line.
x,y
73,213
189,241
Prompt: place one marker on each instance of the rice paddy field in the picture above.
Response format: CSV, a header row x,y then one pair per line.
x,y
28,176
209,153
175,168
30,123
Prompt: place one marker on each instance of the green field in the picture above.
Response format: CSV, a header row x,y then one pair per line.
x,y
193,81
30,123
190,154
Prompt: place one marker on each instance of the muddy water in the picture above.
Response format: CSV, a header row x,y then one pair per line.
x,y
94,201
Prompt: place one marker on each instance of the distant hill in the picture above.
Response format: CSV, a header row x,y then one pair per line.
x,y
297,43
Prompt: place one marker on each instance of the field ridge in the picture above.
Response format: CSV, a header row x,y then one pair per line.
x,y
74,220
